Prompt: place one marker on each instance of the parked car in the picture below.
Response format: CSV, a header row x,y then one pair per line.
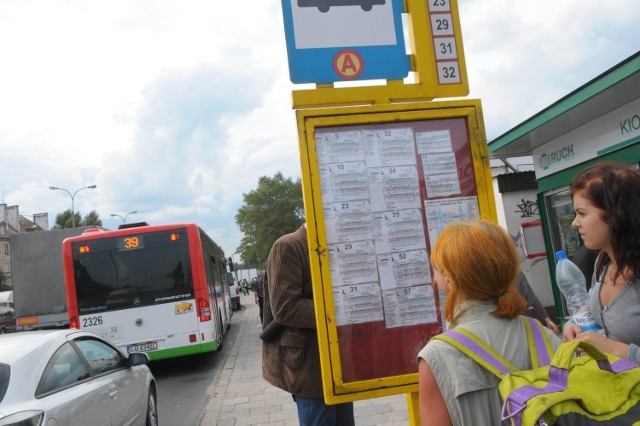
x,y
234,290
72,377
7,320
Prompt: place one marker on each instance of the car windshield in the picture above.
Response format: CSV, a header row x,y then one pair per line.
x,y
5,373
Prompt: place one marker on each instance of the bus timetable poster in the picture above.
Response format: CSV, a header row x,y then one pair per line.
x,y
387,192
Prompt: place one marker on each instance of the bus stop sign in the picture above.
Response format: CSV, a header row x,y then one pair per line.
x,y
345,40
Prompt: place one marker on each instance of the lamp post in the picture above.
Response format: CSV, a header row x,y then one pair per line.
x,y
124,219
73,196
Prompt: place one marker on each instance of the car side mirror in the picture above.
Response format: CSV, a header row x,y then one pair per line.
x,y
138,358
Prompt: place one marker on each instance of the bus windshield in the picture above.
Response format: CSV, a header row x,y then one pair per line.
x,y
132,271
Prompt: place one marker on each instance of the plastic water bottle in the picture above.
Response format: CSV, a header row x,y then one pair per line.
x,y
572,283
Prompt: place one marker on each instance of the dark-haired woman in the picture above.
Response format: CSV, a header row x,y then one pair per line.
x,y
606,199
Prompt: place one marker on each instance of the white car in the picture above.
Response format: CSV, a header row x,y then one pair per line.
x,y
71,377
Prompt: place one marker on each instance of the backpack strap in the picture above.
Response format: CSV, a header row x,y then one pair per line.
x,y
539,340
473,347
476,349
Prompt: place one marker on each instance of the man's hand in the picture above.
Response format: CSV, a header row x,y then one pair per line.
x,y
552,326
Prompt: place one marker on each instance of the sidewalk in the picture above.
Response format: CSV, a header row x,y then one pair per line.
x,y
239,396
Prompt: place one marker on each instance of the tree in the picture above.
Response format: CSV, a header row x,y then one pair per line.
x,y
63,220
3,282
273,209
92,219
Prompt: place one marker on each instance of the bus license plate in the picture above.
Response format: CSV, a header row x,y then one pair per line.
x,y
142,347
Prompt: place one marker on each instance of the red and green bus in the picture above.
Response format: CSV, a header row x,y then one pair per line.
x,y
161,289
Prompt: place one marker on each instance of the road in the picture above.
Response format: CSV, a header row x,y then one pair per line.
x,y
183,382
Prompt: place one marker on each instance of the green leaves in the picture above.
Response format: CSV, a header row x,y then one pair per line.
x,y
63,220
3,282
273,209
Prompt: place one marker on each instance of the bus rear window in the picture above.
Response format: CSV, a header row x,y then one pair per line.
x,y
132,271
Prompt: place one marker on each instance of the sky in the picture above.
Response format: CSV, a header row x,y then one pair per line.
x,y
174,109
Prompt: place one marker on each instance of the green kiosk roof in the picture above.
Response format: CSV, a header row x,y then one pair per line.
x,y
607,92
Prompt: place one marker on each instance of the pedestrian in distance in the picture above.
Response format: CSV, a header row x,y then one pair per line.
x,y
475,264
606,199
258,291
290,354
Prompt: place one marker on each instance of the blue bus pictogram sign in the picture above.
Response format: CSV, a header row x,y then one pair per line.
x,y
324,5
341,40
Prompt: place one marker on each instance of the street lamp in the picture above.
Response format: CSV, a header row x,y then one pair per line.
x,y
124,219
73,196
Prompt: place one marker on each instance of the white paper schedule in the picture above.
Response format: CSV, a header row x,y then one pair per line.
x,y
357,304
441,213
434,142
394,188
352,263
398,230
387,192
348,221
442,185
410,306
389,147
344,182
404,269
340,147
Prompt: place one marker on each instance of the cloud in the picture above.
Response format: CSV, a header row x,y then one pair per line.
x,y
202,137
523,56
175,109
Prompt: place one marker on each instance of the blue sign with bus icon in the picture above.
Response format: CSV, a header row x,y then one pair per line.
x,y
324,5
330,41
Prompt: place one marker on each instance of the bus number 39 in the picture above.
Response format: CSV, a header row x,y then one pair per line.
x,y
131,242
91,321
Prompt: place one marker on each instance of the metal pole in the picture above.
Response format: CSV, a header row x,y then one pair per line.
x,y
124,219
73,196
73,210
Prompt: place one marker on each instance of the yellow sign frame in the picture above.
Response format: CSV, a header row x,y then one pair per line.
x,y
336,390
423,63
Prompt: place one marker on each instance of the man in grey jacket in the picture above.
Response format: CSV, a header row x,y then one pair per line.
x,y
532,300
290,357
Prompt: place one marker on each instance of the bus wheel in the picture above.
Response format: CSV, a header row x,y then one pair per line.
x,y
221,334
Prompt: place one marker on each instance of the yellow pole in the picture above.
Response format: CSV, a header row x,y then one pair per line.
x,y
413,408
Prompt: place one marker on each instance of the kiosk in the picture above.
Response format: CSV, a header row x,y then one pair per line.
x,y
599,121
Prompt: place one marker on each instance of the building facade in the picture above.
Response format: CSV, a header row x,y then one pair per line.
x,y
11,223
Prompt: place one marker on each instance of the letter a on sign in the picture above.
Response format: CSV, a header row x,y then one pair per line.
x,y
348,64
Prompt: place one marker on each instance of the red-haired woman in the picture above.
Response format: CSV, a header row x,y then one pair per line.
x,y
475,264
606,198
